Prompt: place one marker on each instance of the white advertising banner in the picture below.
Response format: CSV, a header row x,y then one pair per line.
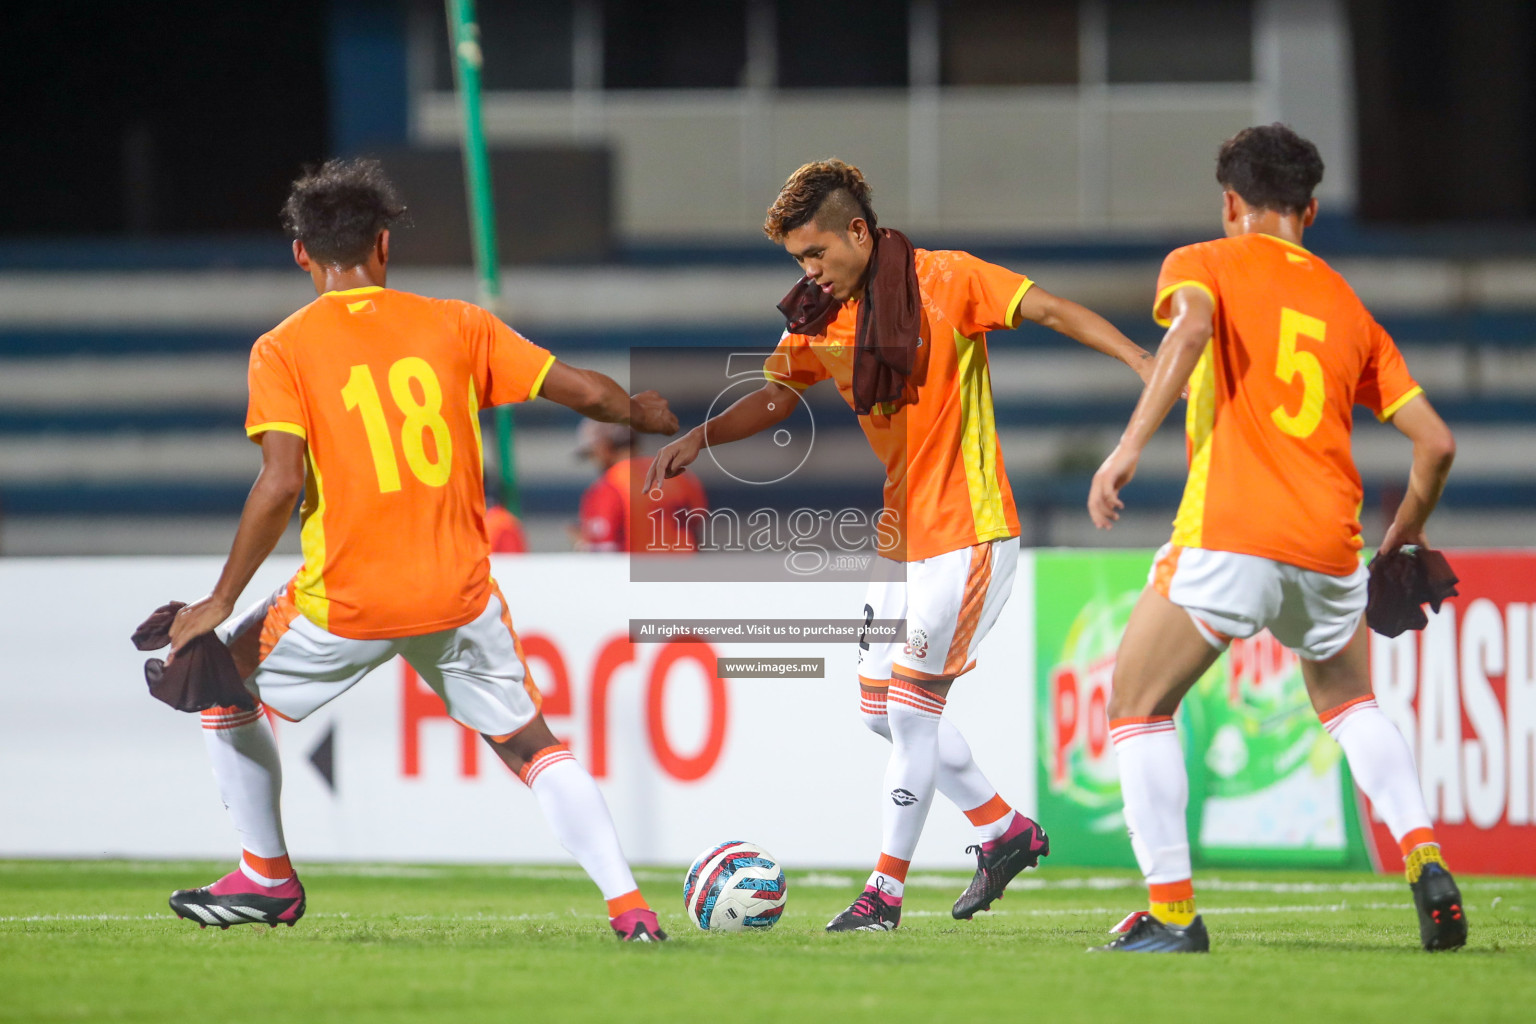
x,y
93,766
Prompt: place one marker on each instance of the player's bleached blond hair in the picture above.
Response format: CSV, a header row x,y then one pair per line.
x,y
831,192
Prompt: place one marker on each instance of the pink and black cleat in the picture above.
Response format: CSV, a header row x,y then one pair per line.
x,y
999,862
638,925
236,899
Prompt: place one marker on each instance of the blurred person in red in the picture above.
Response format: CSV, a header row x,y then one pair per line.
x,y
503,529
610,520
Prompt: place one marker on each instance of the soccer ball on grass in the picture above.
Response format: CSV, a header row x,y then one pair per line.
x,y
735,886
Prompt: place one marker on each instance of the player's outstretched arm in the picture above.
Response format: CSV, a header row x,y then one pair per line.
x,y
1083,325
763,408
599,397
1434,449
267,509
1187,336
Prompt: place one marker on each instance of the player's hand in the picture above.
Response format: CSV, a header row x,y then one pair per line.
x,y
649,413
1104,502
1399,536
673,459
198,618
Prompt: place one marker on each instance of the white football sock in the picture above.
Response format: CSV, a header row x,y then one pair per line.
x,y
249,774
1155,786
1381,763
911,775
958,777
576,811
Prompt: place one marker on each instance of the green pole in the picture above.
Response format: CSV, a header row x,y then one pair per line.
x,y
464,37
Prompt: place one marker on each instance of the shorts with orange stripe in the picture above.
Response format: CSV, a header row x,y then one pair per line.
x,y
949,602
478,669
1231,596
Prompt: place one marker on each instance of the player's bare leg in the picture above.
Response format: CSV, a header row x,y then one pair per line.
x,y
1382,765
1161,656
575,809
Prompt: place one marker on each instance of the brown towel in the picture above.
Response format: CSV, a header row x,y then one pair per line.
x,y
1401,583
202,674
890,321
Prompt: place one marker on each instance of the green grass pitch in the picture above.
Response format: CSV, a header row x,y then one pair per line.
x,y
94,941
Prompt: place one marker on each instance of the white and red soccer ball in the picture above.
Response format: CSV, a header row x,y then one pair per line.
x,y
733,887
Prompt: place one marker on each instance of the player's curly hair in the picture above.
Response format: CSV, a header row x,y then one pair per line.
x,y
339,208
831,192
1271,167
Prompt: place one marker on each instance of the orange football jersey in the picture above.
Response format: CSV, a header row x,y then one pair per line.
x,y
945,486
386,387
1271,402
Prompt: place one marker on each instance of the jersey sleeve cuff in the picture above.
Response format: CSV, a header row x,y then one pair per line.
x,y
1392,410
538,382
1163,296
1012,312
777,379
280,426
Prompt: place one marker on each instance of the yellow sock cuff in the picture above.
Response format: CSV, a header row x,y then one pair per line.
x,y
1425,853
1178,913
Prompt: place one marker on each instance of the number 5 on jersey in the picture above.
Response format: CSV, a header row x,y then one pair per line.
x,y
421,417
1290,363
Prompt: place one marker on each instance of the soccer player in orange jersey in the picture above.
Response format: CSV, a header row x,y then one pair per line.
x,y
367,402
949,511
1275,350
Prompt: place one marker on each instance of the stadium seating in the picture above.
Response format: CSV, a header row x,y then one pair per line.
x,y
121,411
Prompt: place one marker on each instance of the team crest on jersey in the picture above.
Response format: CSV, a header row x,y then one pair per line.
x,y
917,644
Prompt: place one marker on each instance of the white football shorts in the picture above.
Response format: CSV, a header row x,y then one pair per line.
x,y
1232,596
949,601
477,668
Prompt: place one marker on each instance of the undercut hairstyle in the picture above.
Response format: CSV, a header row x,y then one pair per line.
x,y
338,209
1271,167
829,192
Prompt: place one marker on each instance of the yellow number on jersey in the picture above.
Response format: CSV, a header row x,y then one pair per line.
x,y
1291,362
420,418
361,394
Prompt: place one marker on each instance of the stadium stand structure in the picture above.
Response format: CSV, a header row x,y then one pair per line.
x,y
122,394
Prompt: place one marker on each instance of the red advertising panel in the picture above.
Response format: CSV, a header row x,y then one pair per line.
x,y
1463,691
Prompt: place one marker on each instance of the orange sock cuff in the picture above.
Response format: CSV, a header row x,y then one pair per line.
x,y
987,813
914,698
1122,729
1415,837
218,719
275,869
536,764
1327,716
893,866
631,900
1171,892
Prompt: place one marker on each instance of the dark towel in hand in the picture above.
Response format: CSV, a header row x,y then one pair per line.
x,y
202,674
890,321
1402,581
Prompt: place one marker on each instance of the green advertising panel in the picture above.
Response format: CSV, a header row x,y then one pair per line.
x,y
1267,785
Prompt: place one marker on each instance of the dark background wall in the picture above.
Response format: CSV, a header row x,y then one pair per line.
x,y
185,117
1446,94
177,116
